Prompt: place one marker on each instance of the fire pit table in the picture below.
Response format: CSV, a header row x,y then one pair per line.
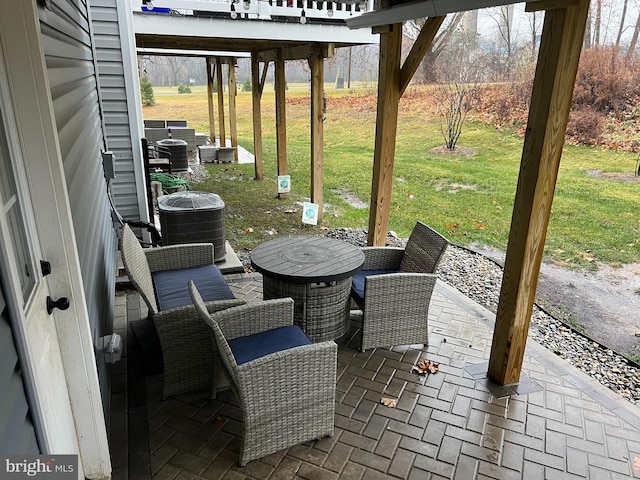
x,y
316,272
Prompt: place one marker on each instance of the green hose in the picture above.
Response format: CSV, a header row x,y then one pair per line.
x,y
170,183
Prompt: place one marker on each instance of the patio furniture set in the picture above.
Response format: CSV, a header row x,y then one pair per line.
x,y
279,355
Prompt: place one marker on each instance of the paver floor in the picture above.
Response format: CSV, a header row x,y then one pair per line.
x,y
556,423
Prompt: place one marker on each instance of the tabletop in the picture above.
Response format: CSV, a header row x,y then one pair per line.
x,y
307,259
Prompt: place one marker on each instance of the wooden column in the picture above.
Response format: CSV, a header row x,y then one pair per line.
x,y
386,127
553,84
211,71
221,128
233,117
257,86
392,82
281,116
316,62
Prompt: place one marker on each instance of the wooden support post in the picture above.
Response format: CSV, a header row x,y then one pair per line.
x,y
221,128
386,127
553,84
211,71
233,118
316,62
281,117
256,96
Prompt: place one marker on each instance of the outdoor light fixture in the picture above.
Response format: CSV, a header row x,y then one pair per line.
x,y
330,9
303,18
246,4
148,4
234,15
363,5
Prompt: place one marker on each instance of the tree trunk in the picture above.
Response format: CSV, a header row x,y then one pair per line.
x,y
621,28
634,38
596,40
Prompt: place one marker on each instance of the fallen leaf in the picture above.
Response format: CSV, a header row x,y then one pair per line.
x,y
425,367
291,210
247,230
389,402
218,421
636,463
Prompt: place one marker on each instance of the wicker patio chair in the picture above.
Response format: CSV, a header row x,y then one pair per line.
x,y
394,289
286,385
185,341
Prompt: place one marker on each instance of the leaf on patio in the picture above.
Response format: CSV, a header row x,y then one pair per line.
x,y
389,402
425,367
636,463
218,421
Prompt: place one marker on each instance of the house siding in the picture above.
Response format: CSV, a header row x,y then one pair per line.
x,y
113,88
69,56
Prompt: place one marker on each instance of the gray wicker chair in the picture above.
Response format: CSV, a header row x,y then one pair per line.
x,y
286,385
394,289
185,342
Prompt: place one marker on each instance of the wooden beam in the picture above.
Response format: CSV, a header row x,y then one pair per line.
x,y
418,50
233,117
256,96
316,62
541,5
385,141
281,118
553,84
296,53
211,71
263,77
221,128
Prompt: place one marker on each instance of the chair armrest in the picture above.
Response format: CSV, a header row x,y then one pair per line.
x,y
382,258
174,257
255,318
275,378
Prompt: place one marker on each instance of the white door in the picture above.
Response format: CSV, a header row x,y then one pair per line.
x,y
26,290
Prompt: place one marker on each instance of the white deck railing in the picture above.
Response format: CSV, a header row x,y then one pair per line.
x,y
279,10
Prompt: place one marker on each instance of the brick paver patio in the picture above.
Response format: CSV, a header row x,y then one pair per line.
x,y
557,423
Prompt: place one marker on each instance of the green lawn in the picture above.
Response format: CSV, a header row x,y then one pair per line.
x,y
467,198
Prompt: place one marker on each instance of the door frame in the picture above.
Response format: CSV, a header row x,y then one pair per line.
x,y
36,127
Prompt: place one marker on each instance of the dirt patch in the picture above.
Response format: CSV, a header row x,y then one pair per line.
x,y
458,152
603,304
615,176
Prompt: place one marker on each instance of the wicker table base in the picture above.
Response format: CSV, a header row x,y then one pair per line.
x,y
321,309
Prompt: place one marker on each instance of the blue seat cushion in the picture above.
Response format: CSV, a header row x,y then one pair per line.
x,y
357,283
172,286
260,344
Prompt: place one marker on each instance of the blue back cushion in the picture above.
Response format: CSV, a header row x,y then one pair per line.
x,y
357,283
260,344
172,290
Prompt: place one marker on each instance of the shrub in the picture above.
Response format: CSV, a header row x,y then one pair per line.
x,y
184,88
246,85
146,91
585,126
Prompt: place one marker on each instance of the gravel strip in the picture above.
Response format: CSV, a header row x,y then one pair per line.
x,y
479,278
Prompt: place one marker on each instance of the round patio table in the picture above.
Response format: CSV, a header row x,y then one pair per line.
x,y
316,272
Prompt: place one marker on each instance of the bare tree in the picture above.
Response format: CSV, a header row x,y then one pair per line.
x,y
456,92
622,19
598,21
634,38
428,66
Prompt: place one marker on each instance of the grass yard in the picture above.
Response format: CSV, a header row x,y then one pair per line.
x,y
468,198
